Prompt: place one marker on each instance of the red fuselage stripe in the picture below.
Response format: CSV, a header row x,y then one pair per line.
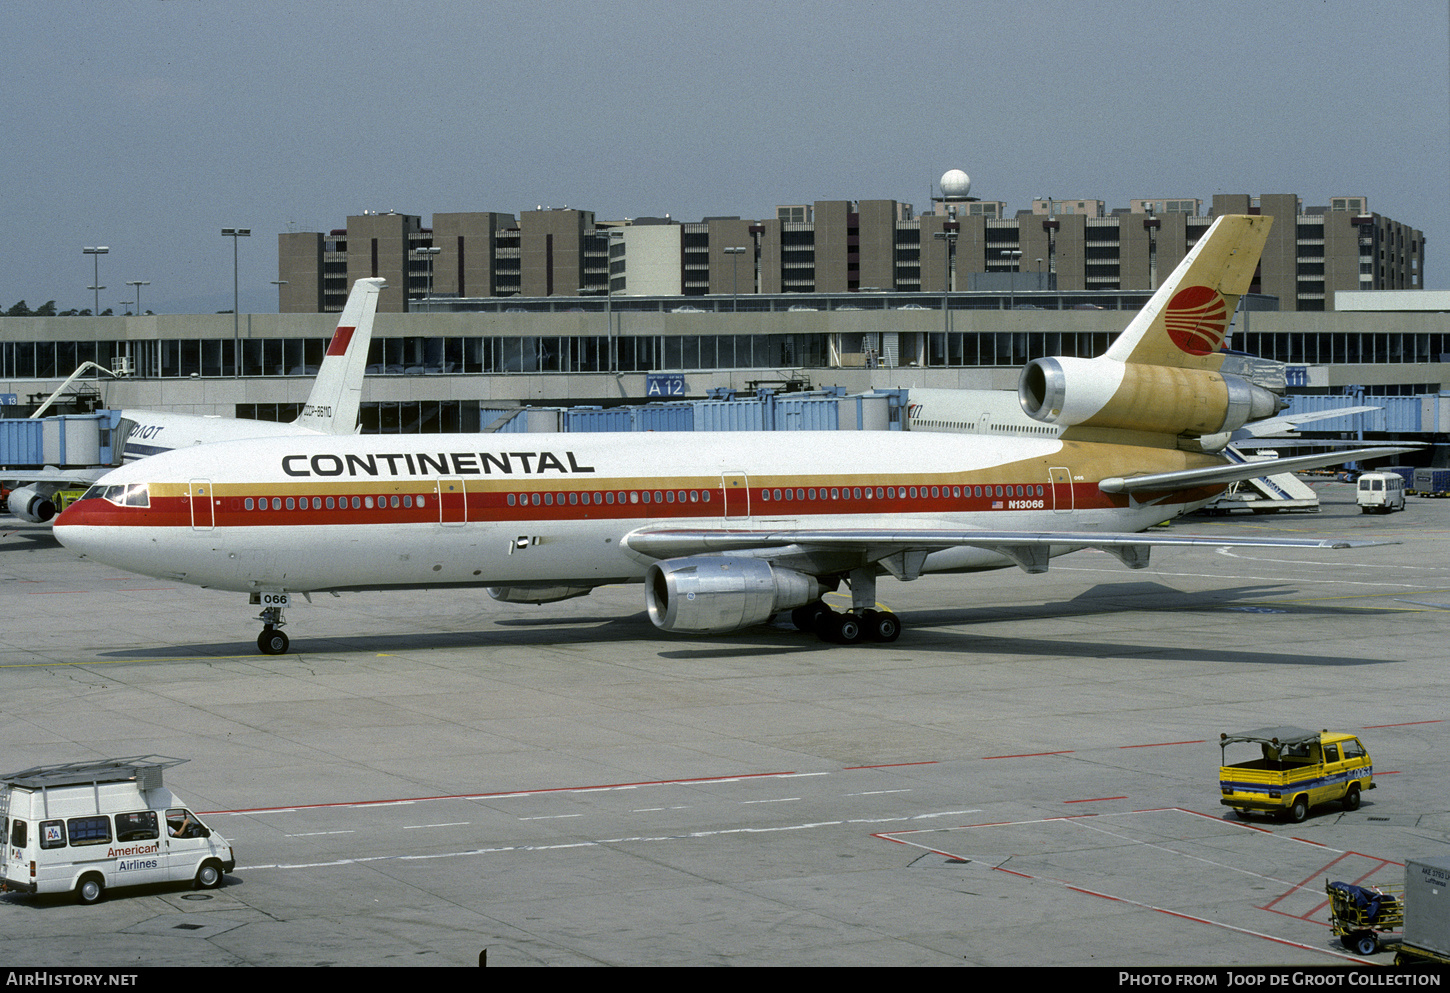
x,y
291,507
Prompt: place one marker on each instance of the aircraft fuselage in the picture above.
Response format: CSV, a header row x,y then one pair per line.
x,y
374,512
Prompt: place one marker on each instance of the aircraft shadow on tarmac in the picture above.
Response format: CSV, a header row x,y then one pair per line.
x,y
1105,598
923,633
27,539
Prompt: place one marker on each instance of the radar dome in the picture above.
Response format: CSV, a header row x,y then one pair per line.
x,y
955,183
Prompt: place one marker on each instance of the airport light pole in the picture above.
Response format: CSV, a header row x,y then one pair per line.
x,y
96,254
610,236
138,283
1016,256
234,234
948,235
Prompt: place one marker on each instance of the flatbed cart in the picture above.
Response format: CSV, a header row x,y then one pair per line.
x,y
1359,914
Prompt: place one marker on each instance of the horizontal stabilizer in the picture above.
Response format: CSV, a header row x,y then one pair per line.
x,y
1275,426
1179,479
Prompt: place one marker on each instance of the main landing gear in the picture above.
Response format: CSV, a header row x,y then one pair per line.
x,y
847,627
863,622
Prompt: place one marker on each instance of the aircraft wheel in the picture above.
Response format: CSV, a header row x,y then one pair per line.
x,y
808,617
847,629
271,641
881,625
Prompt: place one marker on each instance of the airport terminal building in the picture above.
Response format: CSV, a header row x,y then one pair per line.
x,y
845,295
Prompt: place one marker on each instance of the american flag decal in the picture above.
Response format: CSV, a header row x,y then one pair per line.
x,y
996,504
1196,320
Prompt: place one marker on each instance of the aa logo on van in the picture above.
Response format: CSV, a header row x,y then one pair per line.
x,y
1196,320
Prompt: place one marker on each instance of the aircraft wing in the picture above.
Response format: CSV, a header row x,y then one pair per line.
x,y
66,478
902,552
1233,472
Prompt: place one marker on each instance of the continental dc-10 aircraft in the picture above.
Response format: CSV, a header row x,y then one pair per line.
x,y
331,408
724,530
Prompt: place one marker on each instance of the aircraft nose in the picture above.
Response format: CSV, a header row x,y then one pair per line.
x,y
79,521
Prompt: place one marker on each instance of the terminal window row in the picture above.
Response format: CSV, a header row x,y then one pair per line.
x,y
497,354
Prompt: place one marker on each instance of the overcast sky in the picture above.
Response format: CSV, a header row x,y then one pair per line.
x,y
149,125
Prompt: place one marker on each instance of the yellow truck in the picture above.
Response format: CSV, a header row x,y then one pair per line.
x,y
1295,770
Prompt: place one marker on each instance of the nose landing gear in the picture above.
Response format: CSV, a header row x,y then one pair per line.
x,y
272,641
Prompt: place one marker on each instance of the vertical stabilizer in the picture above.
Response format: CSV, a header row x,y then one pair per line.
x,y
1185,322
336,395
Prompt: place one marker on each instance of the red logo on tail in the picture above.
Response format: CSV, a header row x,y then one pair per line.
x,y
340,340
1197,319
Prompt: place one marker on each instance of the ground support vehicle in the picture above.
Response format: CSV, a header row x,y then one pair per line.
x,y
1358,915
1432,482
1380,492
1296,770
83,827
1426,939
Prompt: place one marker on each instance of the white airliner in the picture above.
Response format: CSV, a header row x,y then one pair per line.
x,y
726,529
330,409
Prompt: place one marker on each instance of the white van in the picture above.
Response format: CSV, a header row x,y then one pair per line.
x,y
1380,492
82,827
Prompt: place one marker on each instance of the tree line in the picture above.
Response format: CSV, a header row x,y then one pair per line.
x,y
47,309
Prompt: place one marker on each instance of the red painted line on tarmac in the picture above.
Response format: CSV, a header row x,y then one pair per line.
x,y
1403,725
1027,755
1147,906
504,793
889,765
1096,799
1162,744
1304,884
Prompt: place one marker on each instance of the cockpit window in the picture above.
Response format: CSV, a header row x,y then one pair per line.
x,y
122,495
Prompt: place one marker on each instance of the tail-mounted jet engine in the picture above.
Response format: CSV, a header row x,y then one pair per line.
x,y
712,595
1104,393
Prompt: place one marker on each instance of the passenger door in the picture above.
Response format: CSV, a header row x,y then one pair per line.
x,y
187,841
203,517
735,487
1061,489
452,502
1357,765
1331,786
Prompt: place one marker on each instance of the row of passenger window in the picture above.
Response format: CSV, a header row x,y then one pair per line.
x,y
143,825
900,492
549,499
574,498
405,501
